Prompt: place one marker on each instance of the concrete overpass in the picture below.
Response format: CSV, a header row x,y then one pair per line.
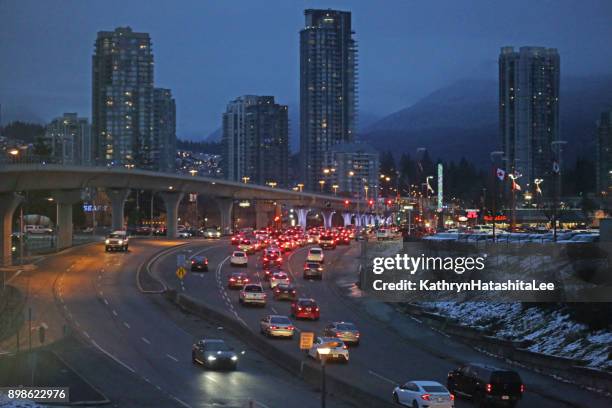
x,y
67,182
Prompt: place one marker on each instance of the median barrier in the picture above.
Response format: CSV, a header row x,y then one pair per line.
x,y
308,372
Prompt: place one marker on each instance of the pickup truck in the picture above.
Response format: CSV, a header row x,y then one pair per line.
x,y
117,240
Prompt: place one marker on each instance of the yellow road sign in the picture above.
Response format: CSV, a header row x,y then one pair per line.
x,y
306,340
181,272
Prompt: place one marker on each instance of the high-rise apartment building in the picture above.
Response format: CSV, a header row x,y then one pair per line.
x,y
163,148
529,113
122,106
604,154
69,139
352,169
328,88
256,140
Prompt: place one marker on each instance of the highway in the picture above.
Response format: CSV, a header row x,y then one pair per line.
x,y
387,355
143,335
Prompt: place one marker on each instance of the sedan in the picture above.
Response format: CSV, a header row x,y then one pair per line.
x,y
214,353
277,278
285,292
313,270
199,263
345,331
239,258
329,348
237,280
276,326
305,309
423,394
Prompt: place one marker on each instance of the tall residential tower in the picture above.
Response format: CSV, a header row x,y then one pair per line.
x,y
529,112
604,154
163,148
328,88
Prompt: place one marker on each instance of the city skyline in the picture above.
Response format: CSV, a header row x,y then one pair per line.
x,y
418,71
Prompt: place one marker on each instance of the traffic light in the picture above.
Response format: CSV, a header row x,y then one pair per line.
x,y
346,203
371,202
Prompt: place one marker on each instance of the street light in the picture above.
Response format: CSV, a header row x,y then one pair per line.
x,y
322,183
300,186
193,172
272,183
335,188
14,152
245,179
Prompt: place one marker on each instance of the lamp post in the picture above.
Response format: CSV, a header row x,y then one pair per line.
x,y
335,188
300,186
245,179
557,147
322,184
494,209
272,183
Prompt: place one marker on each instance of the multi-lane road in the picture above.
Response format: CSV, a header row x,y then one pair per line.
x,y
390,352
146,337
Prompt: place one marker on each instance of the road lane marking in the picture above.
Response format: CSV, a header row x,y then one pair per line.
x,y
183,403
415,319
172,357
211,378
115,313
126,324
86,334
106,302
274,310
382,377
145,340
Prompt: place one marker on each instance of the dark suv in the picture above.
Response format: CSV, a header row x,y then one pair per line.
x,y
486,385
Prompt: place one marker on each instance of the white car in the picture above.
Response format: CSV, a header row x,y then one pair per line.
x,y
116,240
315,255
276,326
38,229
252,294
277,278
329,348
420,394
239,258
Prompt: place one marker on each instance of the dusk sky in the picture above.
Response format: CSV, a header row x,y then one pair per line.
x,y
209,52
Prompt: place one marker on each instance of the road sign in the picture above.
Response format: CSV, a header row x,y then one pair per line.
x,y
180,260
306,340
181,272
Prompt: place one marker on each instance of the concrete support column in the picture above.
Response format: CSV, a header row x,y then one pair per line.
x,y
226,207
357,220
65,199
347,218
327,218
302,214
172,199
8,204
264,214
117,197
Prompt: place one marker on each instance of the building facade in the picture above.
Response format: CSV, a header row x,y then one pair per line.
x,y
529,113
328,88
163,146
122,92
604,154
351,169
68,138
256,141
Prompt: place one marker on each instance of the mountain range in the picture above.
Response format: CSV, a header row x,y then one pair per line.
x,y
461,120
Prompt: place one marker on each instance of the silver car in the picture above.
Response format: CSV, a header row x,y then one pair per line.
x,y
345,331
276,326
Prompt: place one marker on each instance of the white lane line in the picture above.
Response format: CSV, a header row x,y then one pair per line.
x,y
172,357
260,404
126,324
115,313
86,334
145,340
112,356
273,310
183,403
415,319
382,377
211,378
106,302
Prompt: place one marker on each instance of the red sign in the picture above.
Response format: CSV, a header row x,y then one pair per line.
x,y
497,218
472,214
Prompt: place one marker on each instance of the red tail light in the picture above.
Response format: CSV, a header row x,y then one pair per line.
x,y
452,397
299,308
316,309
206,262
489,388
192,262
246,279
290,327
345,347
426,397
274,327
522,387
232,280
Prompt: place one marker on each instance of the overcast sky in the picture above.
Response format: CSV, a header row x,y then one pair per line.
x,y
209,52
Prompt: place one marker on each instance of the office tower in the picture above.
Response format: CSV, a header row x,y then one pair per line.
x,y
351,168
163,148
122,106
604,154
529,113
69,140
328,88
256,140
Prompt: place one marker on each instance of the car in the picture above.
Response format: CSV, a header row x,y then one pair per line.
x,y
313,270
117,241
327,241
344,239
212,233
183,234
419,394
239,258
252,294
271,257
329,348
345,331
214,353
199,263
383,234
276,326
38,229
246,246
315,255
580,238
285,291
237,280
486,384
277,278
305,308
235,240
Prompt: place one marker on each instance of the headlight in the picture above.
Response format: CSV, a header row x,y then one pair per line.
x,y
324,350
107,241
234,358
120,242
211,358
